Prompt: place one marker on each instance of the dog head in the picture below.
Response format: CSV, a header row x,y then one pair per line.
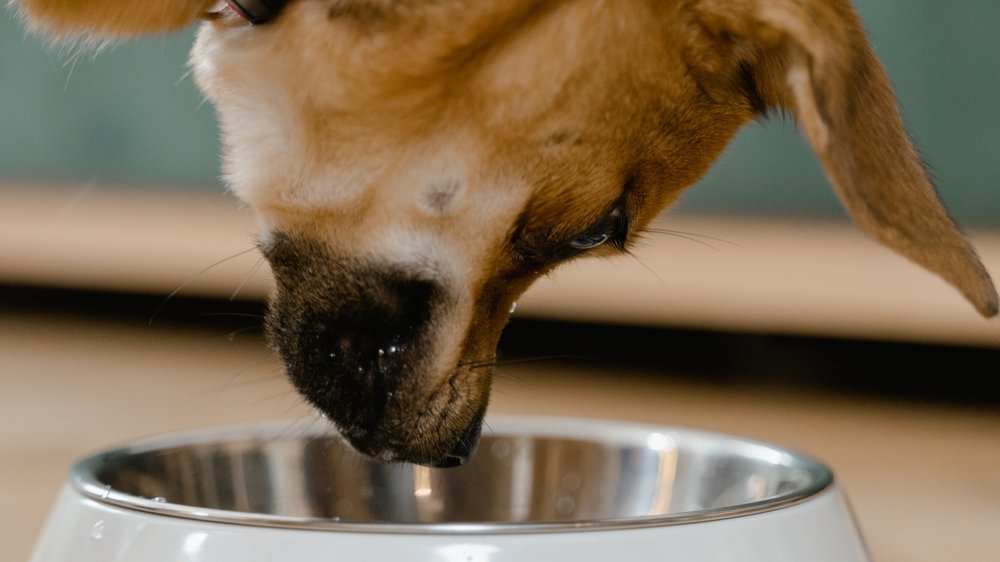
x,y
417,164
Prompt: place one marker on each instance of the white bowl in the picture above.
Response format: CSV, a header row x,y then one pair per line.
x,y
540,488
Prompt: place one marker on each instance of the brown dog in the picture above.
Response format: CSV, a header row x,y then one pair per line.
x,y
417,164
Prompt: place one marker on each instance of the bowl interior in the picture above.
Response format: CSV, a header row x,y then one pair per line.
x,y
529,473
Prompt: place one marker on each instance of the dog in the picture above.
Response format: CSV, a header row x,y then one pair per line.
x,y
416,164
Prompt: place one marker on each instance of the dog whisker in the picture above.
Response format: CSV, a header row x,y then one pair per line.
x,y
647,268
499,363
74,58
235,314
246,383
232,335
279,396
195,277
505,375
201,103
184,76
693,237
270,375
246,278
301,425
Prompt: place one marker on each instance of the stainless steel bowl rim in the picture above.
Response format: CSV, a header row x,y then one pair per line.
x,y
83,478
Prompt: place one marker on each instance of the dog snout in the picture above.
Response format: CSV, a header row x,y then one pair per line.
x,y
348,351
365,343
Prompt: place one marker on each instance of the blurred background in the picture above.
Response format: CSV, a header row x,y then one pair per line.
x,y
130,293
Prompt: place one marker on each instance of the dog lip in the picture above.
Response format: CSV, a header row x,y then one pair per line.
x,y
394,451
465,447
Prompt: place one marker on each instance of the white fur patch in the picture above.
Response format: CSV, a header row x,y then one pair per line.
x,y
266,160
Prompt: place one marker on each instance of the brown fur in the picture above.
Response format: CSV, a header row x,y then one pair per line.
x,y
110,18
399,148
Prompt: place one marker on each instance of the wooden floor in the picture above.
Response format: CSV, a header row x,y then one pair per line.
x,y
924,480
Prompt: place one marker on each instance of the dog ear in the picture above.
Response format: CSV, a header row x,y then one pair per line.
x,y
109,19
812,59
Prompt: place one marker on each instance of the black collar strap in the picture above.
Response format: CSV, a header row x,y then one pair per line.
x,y
257,11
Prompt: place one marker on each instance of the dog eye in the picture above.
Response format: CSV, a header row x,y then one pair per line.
x,y
535,250
589,240
613,227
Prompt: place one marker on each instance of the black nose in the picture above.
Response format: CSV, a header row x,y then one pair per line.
x,y
362,342
464,448
347,350
368,342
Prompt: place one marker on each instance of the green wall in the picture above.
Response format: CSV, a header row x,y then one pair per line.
x,y
131,116
128,115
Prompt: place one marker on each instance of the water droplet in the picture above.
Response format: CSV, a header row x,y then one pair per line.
x,y
107,492
393,350
513,307
97,531
381,352
160,499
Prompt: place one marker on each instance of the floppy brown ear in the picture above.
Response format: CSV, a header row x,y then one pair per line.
x,y
812,58
106,19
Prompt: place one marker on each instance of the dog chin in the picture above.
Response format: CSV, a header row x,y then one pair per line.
x,y
443,433
423,441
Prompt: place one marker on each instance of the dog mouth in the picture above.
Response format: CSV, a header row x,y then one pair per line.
x,y
465,447
423,440
441,431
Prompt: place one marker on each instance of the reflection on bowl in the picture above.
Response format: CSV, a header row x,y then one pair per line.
x,y
539,488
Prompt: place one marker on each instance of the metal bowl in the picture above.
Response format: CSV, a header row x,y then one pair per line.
x,y
540,488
